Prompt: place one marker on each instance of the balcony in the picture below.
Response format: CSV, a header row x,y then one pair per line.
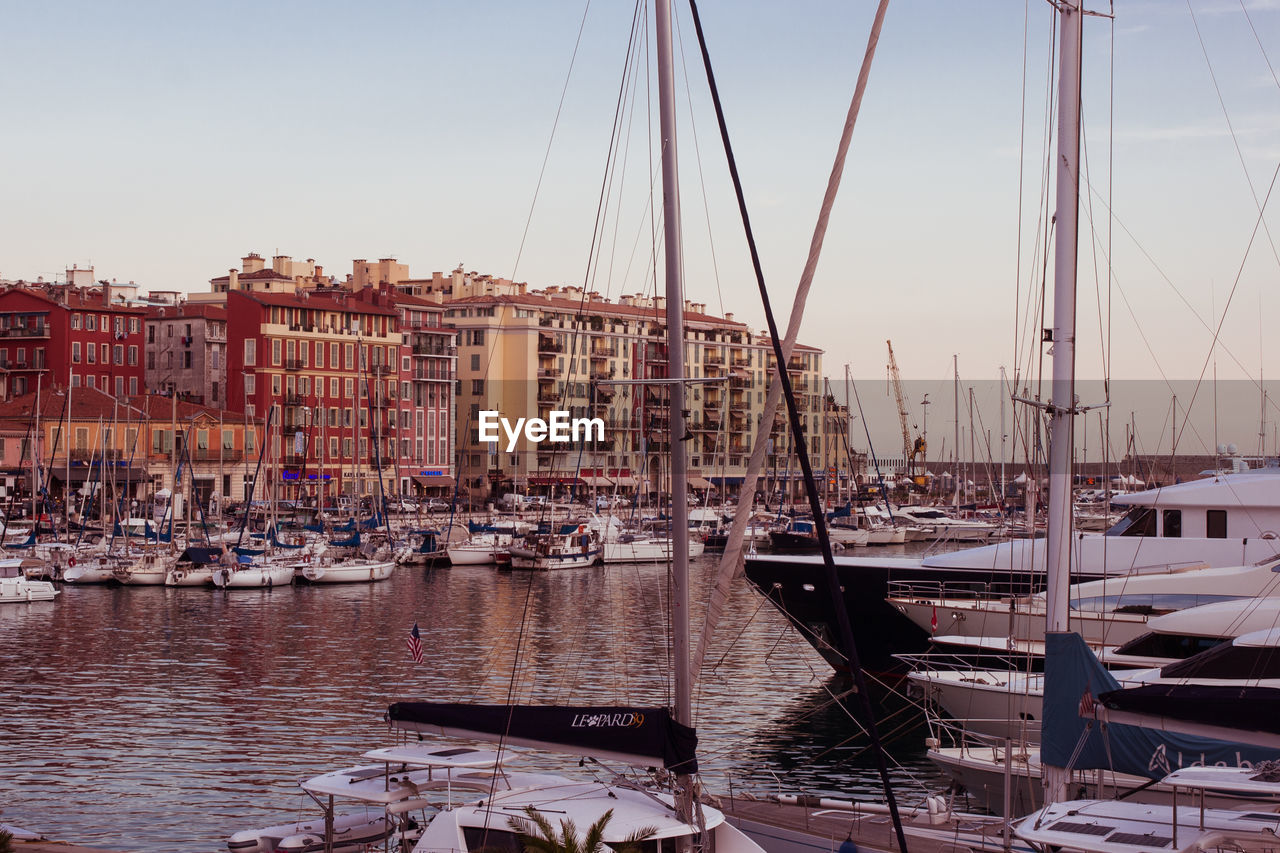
x,y
548,344
713,358
294,399
794,366
434,349
548,397
381,369
548,373
739,407
741,361
293,364
215,455
37,331
739,381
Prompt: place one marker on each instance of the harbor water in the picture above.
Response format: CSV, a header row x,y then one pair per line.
x,y
163,719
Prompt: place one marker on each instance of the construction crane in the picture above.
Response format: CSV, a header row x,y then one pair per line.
x,y
910,448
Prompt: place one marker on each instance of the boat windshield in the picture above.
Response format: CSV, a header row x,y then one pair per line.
x,y
1139,521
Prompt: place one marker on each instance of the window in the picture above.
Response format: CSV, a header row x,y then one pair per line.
x,y
275,384
250,352
202,440
1173,523
133,386
228,439
213,392
477,386
250,383
134,325
348,357
333,446
119,325
118,352
215,357
477,337
119,386
186,358
75,352
91,322
250,436
82,438
90,354
275,352
333,386
346,447
333,356
133,355
106,354
75,321
168,330
475,361
1215,524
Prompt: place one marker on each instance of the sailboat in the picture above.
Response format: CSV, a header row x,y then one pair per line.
x,y
642,737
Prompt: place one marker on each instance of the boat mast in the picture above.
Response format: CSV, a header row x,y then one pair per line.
x,y
1062,337
673,256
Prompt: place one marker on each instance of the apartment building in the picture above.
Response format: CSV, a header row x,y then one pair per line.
x,y
69,333
323,367
525,353
186,352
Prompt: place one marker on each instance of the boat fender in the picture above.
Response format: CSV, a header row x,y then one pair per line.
x,y
71,562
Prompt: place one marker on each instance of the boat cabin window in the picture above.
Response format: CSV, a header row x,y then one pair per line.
x,y
1176,646
1228,661
492,840
1172,523
1139,521
1215,524
1146,602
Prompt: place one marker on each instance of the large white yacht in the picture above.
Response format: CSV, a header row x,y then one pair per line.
x,y
1222,520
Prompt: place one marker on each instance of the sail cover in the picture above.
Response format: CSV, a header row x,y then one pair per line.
x,y
639,736
1074,682
1252,712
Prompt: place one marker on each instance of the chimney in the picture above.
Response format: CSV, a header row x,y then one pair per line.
x,y
234,282
728,315
319,272
106,294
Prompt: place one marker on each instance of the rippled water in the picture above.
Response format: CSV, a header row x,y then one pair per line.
x,y
156,719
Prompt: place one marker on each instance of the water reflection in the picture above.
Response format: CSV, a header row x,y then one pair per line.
x,y
163,719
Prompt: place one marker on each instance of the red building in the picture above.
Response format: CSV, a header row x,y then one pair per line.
x,y
60,334
325,365
425,406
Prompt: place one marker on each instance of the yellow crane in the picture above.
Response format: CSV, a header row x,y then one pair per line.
x,y
910,448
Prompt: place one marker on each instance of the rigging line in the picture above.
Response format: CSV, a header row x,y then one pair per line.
x,y
783,351
1093,244
546,157
1022,157
1231,128
1208,327
1262,49
579,320
697,159
1234,285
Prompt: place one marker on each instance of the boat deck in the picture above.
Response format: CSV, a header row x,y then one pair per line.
x,y
783,828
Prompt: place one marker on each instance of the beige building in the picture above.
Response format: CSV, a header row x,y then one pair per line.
x,y
526,353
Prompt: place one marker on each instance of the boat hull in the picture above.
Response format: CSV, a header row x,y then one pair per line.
x,y
349,572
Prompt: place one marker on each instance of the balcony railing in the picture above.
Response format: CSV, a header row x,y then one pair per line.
x,y
434,349
713,358
40,331
294,399
215,455
293,364
380,369
546,344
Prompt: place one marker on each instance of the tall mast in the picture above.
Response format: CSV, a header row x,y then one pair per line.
x,y
673,256
1063,339
955,389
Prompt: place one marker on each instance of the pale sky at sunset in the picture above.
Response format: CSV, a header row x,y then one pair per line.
x,y
161,141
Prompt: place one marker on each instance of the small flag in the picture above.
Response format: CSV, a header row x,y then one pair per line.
x,y
933,620
415,644
1087,704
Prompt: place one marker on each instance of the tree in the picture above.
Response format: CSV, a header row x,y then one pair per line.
x,y
538,835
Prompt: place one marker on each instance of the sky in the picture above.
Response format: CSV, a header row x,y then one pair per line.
x,y
160,141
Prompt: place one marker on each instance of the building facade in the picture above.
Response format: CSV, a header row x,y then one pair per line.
x,y
323,366
186,352
68,334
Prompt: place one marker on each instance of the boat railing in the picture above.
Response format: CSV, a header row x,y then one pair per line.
x,y
931,662
942,590
949,733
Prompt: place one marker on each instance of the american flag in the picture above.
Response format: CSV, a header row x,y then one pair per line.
x,y
415,644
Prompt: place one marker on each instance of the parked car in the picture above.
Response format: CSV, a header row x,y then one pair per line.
x,y
437,505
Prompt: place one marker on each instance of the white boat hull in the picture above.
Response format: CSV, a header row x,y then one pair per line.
x,y
349,572
351,832
189,577
253,577
522,558
17,590
647,550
